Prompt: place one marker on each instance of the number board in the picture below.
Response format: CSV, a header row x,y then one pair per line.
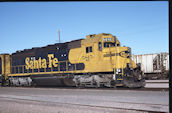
x,y
107,39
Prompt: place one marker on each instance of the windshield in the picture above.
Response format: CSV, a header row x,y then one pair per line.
x,y
109,44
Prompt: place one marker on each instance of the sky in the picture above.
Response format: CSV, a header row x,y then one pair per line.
x,y
141,25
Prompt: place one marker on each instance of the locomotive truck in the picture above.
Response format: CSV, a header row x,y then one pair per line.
x,y
97,61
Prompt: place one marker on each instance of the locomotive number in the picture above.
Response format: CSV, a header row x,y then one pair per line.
x,y
87,58
107,39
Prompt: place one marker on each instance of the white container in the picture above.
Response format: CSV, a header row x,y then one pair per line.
x,y
152,63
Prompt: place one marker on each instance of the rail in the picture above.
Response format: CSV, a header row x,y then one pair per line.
x,y
157,84
157,81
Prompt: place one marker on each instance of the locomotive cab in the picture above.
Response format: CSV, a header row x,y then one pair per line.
x,y
126,73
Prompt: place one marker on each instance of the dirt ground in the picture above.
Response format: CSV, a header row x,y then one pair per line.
x,y
55,100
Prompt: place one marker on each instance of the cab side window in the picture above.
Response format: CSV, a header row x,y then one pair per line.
x,y
100,46
89,49
106,44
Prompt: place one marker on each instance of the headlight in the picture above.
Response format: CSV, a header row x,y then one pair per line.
x,y
118,71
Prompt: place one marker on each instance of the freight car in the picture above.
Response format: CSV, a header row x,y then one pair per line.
x,y
154,66
97,61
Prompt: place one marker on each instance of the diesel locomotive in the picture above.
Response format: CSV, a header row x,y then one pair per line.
x,y
97,61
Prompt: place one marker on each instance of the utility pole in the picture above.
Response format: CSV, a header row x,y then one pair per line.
x,y
59,35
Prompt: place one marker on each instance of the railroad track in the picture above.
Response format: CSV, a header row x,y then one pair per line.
x,y
134,89
87,88
151,85
157,81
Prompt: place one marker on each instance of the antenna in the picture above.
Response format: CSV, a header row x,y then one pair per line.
x,y
59,35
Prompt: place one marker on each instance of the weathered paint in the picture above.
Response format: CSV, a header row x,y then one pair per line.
x,y
66,57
